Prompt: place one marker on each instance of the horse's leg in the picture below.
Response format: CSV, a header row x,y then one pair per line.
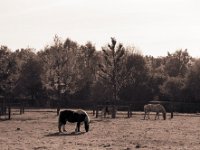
x,y
148,115
63,125
59,127
78,127
145,113
157,115
64,128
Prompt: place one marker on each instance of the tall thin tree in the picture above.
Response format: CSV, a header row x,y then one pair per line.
x,y
112,57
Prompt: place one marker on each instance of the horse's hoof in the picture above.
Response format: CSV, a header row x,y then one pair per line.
x,y
77,132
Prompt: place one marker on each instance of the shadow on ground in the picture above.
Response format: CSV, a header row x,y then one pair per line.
x,y
65,134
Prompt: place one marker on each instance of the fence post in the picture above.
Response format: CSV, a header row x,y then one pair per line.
x,y
172,110
20,107
93,110
97,111
129,110
9,112
113,111
58,108
1,109
23,107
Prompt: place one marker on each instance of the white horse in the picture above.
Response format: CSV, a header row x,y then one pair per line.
x,y
154,108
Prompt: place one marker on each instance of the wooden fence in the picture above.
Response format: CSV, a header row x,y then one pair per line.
x,y
98,108
6,109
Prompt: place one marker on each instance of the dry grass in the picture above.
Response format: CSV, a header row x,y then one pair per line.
x,y
38,131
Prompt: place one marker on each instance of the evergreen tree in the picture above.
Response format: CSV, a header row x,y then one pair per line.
x,y
110,66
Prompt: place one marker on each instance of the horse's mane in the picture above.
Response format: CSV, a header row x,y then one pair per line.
x,y
81,111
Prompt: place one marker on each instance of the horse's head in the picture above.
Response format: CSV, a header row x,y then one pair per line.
x,y
87,123
164,116
87,126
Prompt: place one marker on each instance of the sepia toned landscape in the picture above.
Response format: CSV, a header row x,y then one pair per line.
x,y
37,130
121,58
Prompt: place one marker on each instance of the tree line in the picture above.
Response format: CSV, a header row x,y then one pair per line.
x,y
68,72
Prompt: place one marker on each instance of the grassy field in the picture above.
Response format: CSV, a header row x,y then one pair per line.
x,y
37,130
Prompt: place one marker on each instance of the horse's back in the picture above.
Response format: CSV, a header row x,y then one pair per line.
x,y
158,107
153,107
72,116
80,111
64,115
147,107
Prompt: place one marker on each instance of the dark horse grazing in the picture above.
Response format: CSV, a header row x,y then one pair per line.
x,y
73,116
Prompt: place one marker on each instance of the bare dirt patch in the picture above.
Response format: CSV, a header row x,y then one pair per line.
x,y
38,131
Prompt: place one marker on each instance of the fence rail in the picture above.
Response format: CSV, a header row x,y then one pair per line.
x,y
97,108
6,109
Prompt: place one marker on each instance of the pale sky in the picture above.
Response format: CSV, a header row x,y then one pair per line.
x,y
152,26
